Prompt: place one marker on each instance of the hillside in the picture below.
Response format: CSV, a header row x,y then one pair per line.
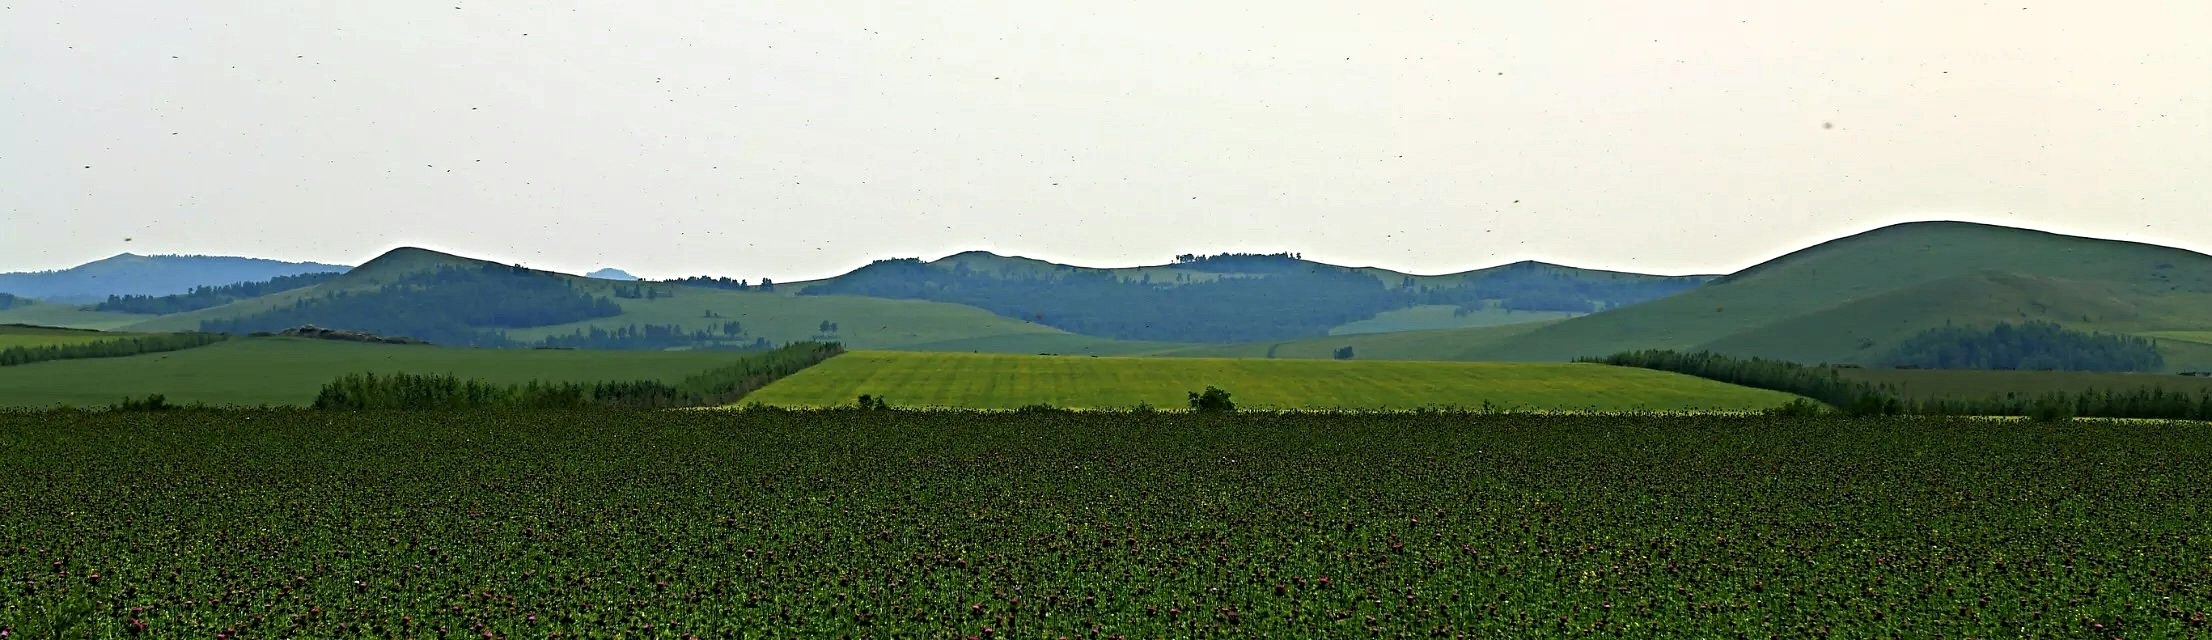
x,y
130,274
1233,298
1845,300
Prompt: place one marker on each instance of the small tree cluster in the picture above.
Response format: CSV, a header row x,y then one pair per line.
x,y
1212,400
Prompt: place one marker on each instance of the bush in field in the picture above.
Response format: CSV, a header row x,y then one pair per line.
x,y
1213,399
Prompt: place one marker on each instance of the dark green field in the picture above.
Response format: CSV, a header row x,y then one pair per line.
x,y
1038,525
1962,384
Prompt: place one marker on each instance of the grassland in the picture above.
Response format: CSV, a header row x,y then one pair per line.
x,y
896,524
1928,383
289,371
986,381
22,336
63,315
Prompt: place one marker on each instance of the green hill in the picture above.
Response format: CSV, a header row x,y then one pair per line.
x,y
1011,381
1846,300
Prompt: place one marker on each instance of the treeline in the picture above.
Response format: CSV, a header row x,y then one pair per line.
x,y
719,386
1819,383
711,282
1860,399
10,301
116,348
203,297
2034,346
729,335
449,306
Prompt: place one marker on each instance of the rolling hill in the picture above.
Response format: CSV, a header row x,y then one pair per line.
x,y
772,316
131,274
1233,298
1845,300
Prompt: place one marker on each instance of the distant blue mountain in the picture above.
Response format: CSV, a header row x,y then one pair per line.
x,y
131,274
611,273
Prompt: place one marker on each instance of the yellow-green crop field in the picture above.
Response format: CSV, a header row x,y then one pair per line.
x,y
997,381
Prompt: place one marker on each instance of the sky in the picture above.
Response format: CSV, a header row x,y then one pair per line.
x,y
801,139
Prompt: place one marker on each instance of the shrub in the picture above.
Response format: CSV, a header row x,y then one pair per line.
x,y
155,402
1799,408
1213,399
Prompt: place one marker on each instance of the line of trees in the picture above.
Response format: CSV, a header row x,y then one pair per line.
x,y
10,301
1819,383
719,386
656,336
2034,346
203,297
712,282
116,348
1861,399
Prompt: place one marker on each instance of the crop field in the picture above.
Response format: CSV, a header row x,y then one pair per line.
x,y
982,381
1040,525
289,371
1931,383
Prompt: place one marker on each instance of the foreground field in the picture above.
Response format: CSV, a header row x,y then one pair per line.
x,y
288,371
984,381
897,524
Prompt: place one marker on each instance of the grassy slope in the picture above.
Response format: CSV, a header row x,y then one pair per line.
x,y
1879,262
291,370
15,336
1863,328
1009,381
64,315
1924,383
1443,316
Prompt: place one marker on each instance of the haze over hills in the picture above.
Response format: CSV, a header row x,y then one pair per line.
x,y
1850,300
131,274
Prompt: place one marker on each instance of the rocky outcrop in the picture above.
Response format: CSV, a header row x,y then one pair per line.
x,y
312,331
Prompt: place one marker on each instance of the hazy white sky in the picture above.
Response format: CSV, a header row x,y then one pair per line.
x,y
800,139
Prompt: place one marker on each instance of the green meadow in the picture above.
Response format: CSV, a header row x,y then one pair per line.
x,y
22,336
289,371
989,381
